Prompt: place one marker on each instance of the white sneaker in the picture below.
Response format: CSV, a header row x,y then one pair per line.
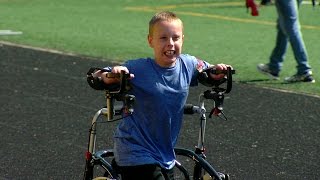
x,y
264,69
307,77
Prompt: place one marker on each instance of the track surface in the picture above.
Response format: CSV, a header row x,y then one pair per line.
x,y
46,108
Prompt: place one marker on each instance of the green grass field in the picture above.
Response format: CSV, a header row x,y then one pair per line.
x,y
217,31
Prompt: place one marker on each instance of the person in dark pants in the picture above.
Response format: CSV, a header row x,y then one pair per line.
x,y
288,31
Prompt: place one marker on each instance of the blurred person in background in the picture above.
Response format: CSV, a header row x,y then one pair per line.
x,y
288,31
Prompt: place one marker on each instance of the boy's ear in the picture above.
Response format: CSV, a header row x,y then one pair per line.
x,y
150,40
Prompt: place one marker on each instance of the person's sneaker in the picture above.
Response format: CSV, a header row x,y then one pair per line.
x,y
264,69
307,77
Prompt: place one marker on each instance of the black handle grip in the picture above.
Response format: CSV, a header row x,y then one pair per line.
x,y
215,71
188,109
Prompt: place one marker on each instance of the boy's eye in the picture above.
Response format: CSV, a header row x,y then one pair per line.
x,y
176,38
173,38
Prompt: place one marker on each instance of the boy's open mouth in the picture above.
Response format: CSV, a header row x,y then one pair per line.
x,y
170,53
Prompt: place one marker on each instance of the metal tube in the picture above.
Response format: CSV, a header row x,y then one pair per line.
x,y
109,106
202,122
92,141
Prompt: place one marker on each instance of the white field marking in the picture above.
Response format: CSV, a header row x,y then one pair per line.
x,y
36,48
10,32
307,2
291,92
54,51
212,16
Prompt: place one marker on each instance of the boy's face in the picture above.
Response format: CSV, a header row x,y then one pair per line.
x,y
166,41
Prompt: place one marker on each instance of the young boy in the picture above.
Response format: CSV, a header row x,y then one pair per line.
x,y
145,141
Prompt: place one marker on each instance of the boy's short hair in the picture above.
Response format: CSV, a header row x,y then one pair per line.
x,y
163,16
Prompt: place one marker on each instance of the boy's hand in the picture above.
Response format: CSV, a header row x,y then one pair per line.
x,y
116,70
221,68
119,69
215,75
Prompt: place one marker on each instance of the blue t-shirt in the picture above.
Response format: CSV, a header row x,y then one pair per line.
x,y
149,135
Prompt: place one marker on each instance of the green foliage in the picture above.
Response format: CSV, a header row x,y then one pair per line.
x,y
217,31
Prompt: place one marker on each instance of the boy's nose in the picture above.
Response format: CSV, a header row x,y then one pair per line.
x,y
171,42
